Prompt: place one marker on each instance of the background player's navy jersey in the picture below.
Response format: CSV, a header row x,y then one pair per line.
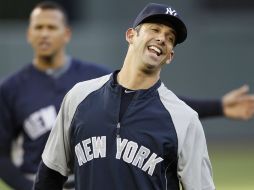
x,y
29,102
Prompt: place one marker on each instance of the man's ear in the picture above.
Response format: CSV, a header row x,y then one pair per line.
x,y
170,57
130,34
68,34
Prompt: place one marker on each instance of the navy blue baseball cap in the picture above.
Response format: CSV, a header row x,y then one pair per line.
x,y
164,14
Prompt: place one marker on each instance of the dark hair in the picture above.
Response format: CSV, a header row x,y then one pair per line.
x,y
50,5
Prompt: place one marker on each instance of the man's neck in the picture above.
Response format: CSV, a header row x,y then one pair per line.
x,y
53,62
136,79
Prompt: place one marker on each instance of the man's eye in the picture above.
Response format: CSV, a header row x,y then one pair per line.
x,y
52,27
38,27
155,29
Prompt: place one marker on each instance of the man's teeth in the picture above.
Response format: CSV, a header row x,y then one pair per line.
x,y
157,50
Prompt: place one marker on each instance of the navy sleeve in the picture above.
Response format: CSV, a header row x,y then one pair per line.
x,y
205,108
9,172
49,179
12,176
7,121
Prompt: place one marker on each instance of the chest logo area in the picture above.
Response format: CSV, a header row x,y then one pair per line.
x,y
128,151
40,122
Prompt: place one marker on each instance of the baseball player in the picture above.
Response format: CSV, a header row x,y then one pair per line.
x,y
31,97
126,130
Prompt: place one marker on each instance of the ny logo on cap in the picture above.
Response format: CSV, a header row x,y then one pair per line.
x,y
171,12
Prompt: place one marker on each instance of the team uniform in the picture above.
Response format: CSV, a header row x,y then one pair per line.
x,y
30,100
153,142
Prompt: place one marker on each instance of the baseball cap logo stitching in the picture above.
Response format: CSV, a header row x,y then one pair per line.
x,y
171,12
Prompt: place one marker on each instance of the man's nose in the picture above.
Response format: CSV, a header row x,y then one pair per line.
x,y
161,39
45,32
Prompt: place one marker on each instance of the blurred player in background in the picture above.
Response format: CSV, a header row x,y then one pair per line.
x,y
31,97
146,138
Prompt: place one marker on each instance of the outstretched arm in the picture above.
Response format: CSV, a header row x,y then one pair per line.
x,y
238,104
205,107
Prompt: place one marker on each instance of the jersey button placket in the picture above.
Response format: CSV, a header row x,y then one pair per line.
x,y
118,126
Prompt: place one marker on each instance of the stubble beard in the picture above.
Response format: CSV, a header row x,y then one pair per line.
x,y
149,69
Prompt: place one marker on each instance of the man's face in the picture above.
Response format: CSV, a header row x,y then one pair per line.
x,y
47,32
154,43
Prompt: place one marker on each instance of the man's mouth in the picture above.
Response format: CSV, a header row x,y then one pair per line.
x,y
44,45
155,49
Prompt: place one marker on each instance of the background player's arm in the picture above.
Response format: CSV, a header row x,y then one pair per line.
x,y
205,108
236,104
49,179
9,173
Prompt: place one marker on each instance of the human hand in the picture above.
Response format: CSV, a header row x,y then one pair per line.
x,y
238,104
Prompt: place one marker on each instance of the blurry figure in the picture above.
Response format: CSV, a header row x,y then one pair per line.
x,y
31,97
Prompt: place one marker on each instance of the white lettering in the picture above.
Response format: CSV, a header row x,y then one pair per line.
x,y
120,146
87,149
91,149
99,147
80,154
142,154
151,163
171,11
130,151
40,122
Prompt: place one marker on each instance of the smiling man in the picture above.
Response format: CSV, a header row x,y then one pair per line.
x,y
146,139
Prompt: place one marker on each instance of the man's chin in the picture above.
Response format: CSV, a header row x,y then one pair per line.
x,y
151,65
44,53
149,69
